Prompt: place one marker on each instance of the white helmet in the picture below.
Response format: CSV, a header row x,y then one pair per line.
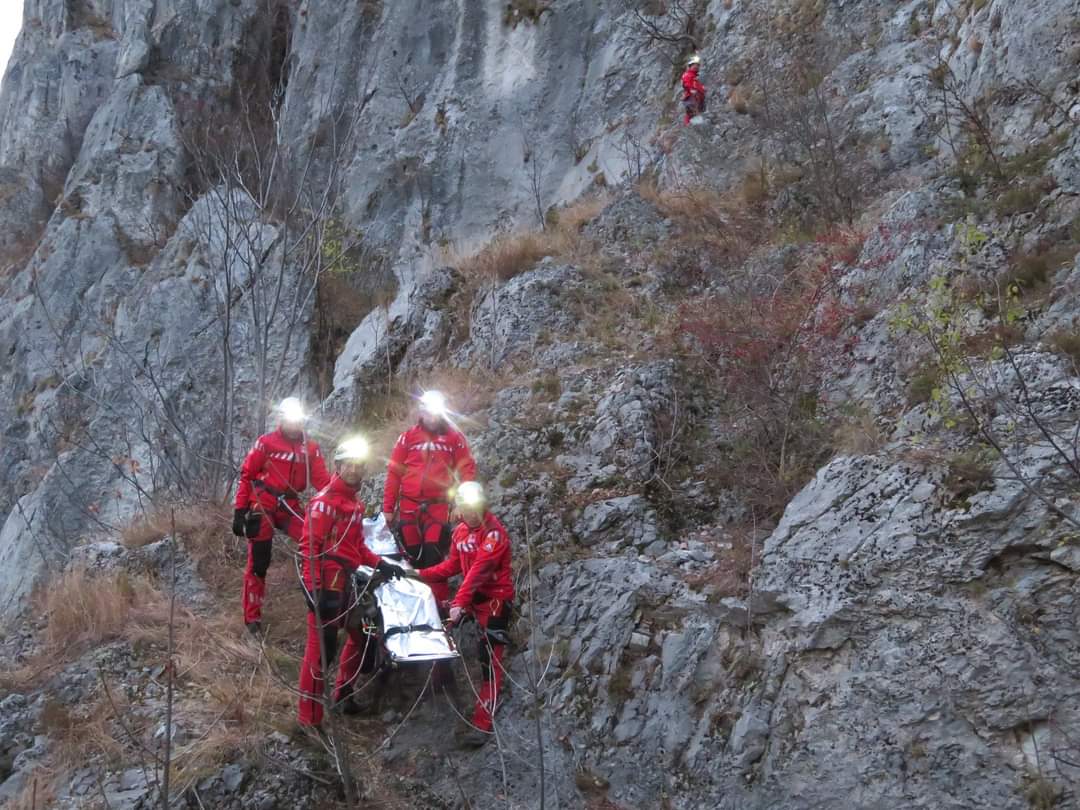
x,y
433,403
470,495
354,448
291,409
693,60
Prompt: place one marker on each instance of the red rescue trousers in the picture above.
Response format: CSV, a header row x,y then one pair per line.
x,y
288,519
357,657
493,614
422,530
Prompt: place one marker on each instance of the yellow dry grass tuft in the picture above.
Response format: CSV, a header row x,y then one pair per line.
x,y
83,608
37,793
508,255
708,219
230,693
193,522
203,530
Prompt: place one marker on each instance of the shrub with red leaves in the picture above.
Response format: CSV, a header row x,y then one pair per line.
x,y
769,345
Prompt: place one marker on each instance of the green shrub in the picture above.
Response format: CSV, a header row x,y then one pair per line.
x,y
1019,200
1032,271
970,471
923,384
1066,344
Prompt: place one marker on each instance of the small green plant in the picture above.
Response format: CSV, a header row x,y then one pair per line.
x,y
1066,344
620,685
1031,272
1074,229
1031,163
923,384
1028,272
970,471
1020,200
547,386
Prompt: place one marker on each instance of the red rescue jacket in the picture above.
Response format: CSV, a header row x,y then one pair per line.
x,y
334,525
277,465
424,465
482,557
692,87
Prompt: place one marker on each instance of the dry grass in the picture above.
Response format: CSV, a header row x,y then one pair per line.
x,y
730,574
739,101
708,219
203,529
37,794
858,435
508,255
230,693
194,521
86,609
91,730
227,695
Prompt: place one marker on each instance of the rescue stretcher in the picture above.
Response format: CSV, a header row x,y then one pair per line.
x,y
404,610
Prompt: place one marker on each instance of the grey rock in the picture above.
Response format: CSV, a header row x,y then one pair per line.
x,y
1068,556
749,737
233,776
629,520
517,317
911,648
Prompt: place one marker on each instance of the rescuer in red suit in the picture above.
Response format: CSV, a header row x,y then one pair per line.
x,y
480,553
332,547
427,461
272,479
693,89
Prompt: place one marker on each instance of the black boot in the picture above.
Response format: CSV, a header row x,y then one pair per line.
x,y
350,707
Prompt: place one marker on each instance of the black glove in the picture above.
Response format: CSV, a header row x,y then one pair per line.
x,y
239,518
389,570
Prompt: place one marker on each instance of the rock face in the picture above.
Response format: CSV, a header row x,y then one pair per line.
x,y
472,120
905,635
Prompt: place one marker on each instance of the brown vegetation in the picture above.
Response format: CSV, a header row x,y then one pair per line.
x,y
736,554
508,255
707,219
86,609
769,342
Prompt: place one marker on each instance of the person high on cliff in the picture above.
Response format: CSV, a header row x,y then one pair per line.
x,y
693,90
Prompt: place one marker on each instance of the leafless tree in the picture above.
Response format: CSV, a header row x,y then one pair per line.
x,y
535,162
962,121
635,152
802,128
669,25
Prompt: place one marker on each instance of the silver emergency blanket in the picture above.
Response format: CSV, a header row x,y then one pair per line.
x,y
379,538
412,627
